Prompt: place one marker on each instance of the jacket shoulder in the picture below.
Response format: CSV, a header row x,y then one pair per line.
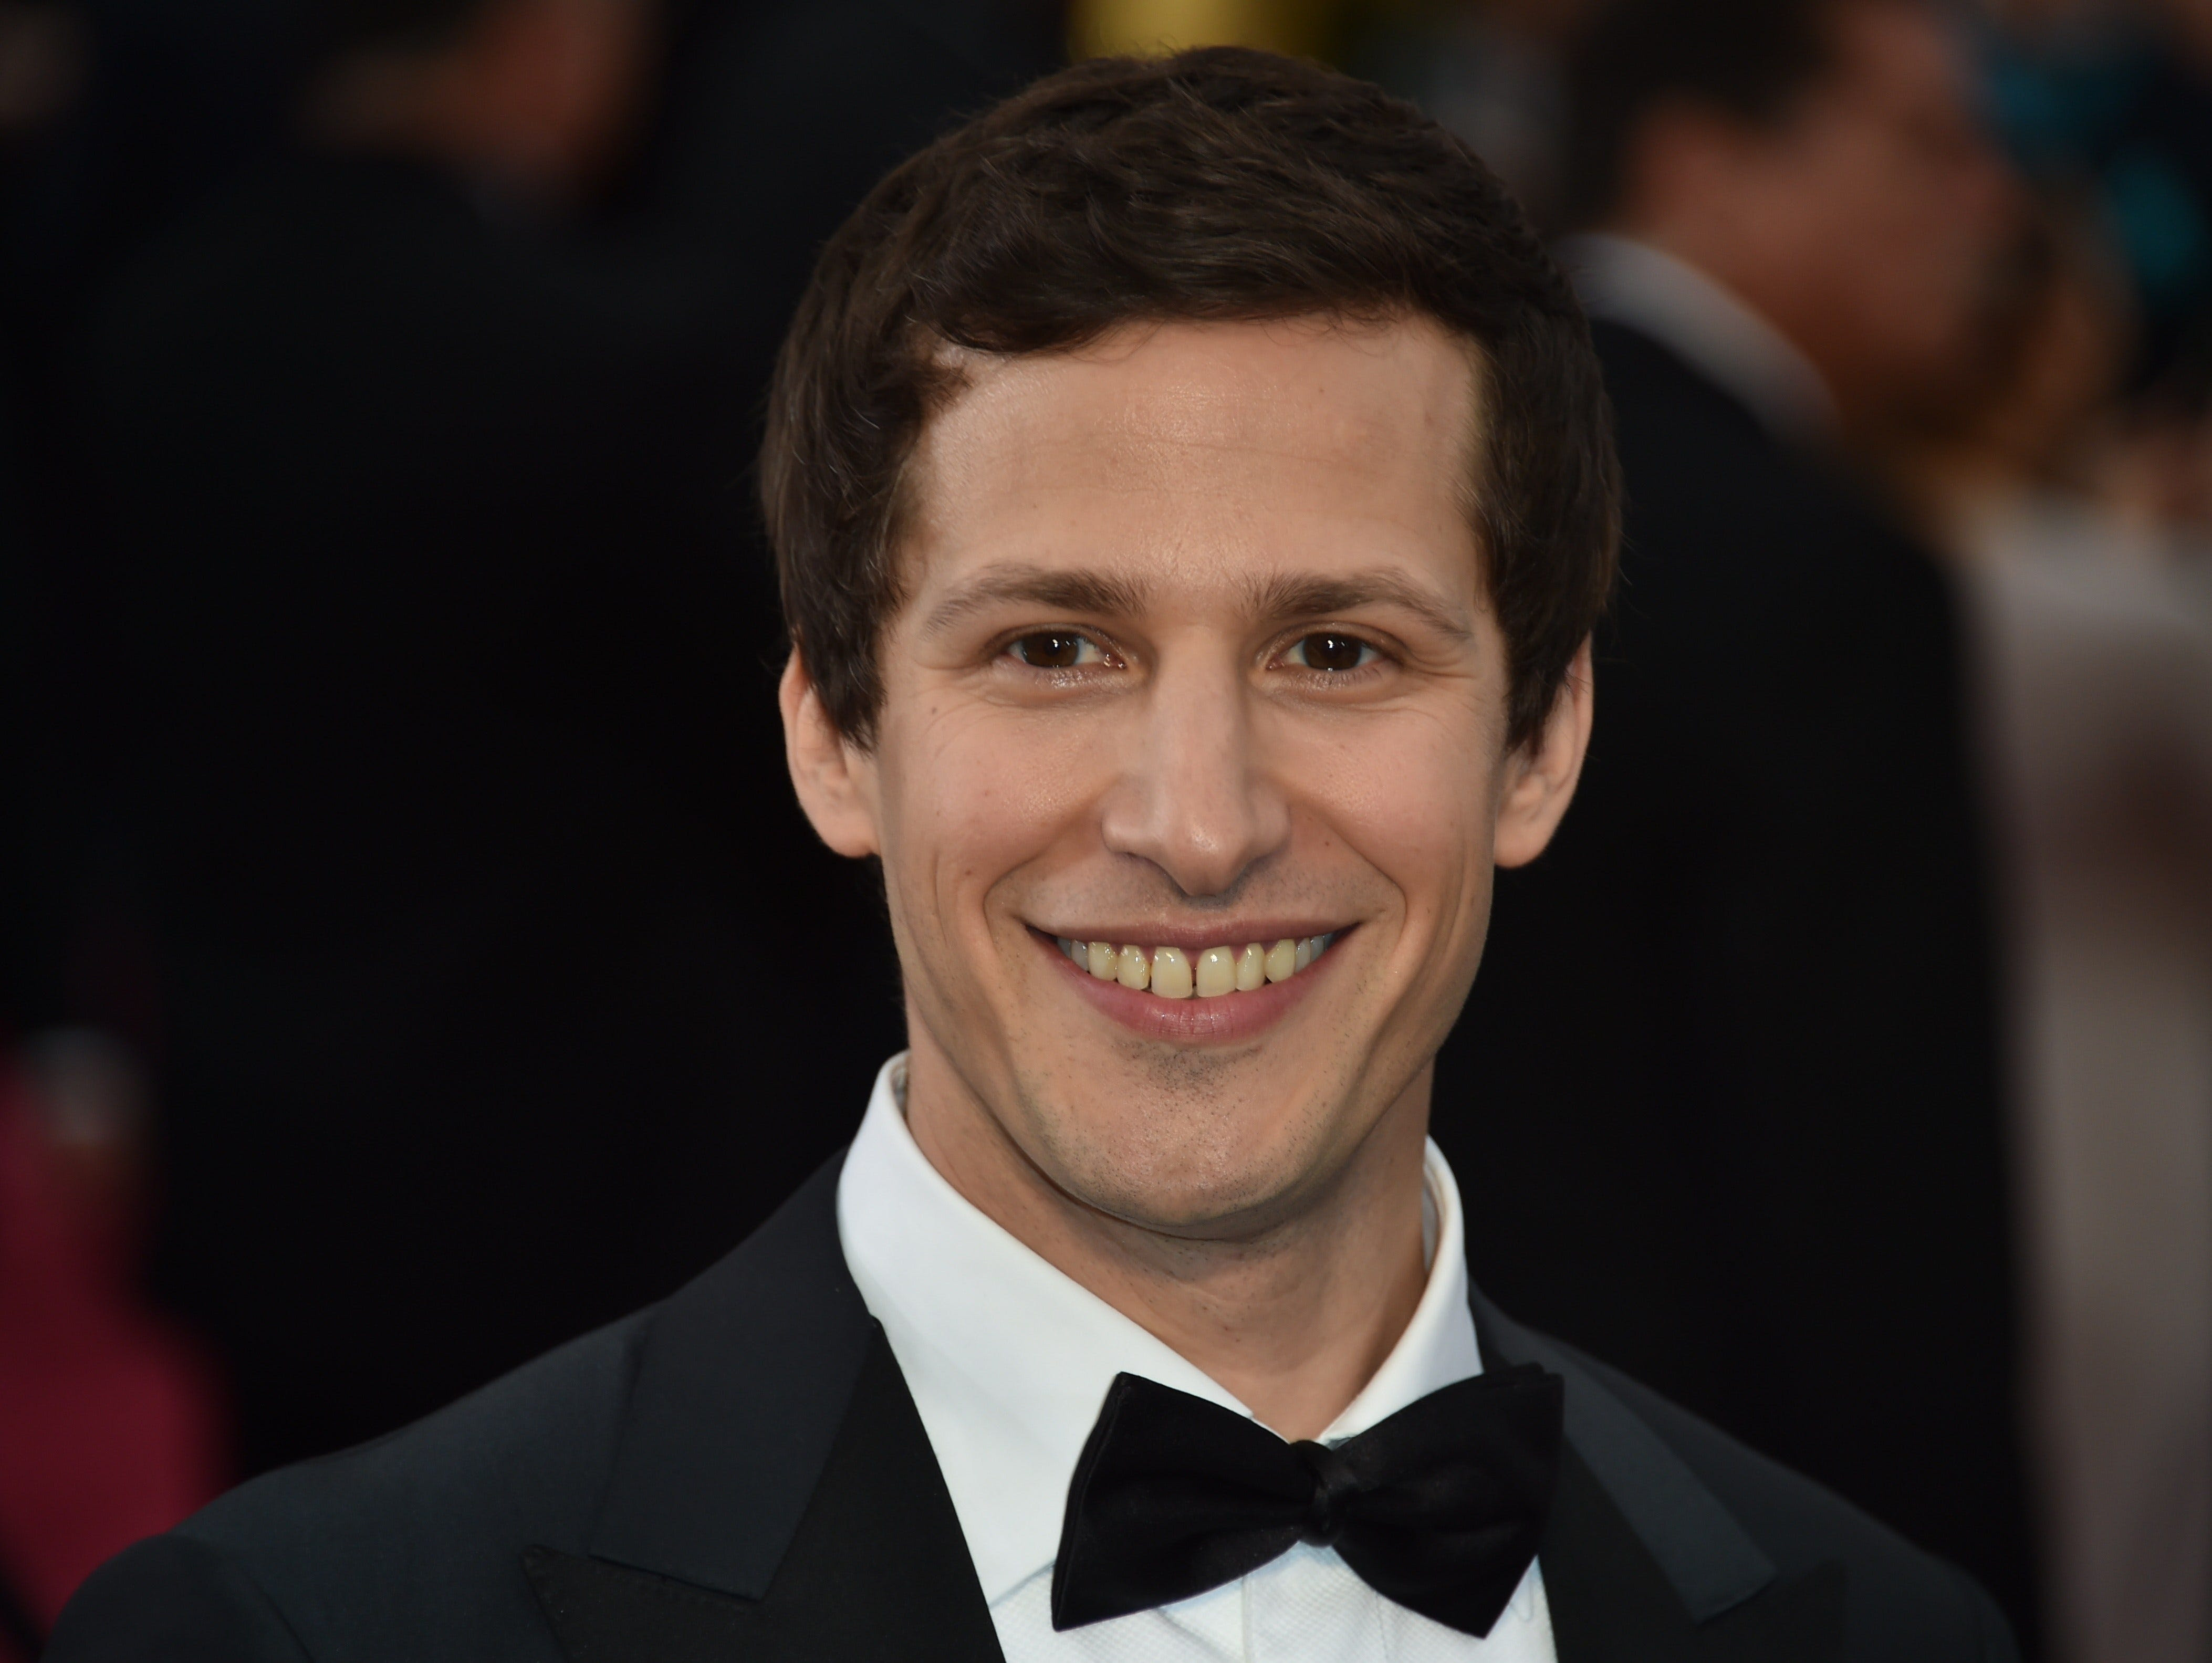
x,y
411,1546
177,1600
1711,496
1898,1603
684,1439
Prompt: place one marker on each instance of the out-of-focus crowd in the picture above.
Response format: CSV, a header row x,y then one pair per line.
x,y
392,777
411,955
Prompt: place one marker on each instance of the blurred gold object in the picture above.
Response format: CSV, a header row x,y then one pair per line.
x,y
1149,27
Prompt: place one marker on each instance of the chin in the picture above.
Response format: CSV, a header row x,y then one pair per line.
x,y
1181,1163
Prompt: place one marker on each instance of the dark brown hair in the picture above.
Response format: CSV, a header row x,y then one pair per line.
x,y
1222,185
1752,61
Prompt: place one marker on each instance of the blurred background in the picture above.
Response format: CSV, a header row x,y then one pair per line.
x,y
410,955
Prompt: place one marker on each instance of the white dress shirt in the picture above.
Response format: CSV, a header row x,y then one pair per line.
x,y
1009,1360
1625,281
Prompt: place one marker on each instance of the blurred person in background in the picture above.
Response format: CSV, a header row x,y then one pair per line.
x,y
150,104
1495,72
2110,102
774,117
2096,677
1780,1189
424,552
110,1420
43,833
390,480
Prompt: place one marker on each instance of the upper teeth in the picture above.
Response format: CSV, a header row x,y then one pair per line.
x,y
1170,973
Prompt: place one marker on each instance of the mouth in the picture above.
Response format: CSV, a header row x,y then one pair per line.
x,y
1186,993
1212,973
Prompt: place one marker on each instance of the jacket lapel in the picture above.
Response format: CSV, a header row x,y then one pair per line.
x,y
773,1494
1641,1562
1612,1602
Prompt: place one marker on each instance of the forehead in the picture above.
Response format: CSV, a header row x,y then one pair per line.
x,y
1204,451
1900,45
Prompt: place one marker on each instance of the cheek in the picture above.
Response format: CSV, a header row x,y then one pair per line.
x,y
1914,242
1413,798
1858,213
1890,282
978,792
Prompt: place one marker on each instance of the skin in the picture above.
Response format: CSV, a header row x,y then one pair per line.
x,y
1865,225
1178,497
537,96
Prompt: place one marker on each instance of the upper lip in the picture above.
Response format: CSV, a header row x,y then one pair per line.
x,y
1197,938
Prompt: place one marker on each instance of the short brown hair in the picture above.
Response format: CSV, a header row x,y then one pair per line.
x,y
1219,186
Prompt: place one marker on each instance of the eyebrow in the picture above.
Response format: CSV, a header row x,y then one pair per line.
x,y
1098,593
1286,597
1105,594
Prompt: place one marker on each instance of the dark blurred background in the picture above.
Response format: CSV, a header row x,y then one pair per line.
x,y
411,956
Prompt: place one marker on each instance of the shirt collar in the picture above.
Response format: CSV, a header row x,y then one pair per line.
x,y
1623,280
1008,1360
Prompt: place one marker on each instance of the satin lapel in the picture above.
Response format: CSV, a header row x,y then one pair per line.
x,y
773,1496
742,1388
1610,1602
1642,1563
879,1568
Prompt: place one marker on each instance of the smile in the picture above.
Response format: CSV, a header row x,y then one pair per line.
x,y
1169,972
1182,994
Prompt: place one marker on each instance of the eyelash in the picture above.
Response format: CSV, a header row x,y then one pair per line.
x,y
1370,653
1013,649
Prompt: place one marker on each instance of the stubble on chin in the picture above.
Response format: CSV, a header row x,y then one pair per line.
x,y
1183,1147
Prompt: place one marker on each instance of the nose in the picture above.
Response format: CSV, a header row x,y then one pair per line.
x,y
1194,797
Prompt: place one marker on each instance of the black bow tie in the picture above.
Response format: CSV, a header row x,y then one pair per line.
x,y
1438,1507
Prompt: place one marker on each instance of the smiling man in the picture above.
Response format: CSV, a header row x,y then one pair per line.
x,y
1193,495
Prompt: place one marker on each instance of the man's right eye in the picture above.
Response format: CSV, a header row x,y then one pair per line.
x,y
1056,649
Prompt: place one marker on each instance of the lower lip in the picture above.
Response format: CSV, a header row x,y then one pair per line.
x,y
1194,1021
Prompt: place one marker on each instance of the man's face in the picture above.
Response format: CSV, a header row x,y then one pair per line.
x,y
1196,657
1872,217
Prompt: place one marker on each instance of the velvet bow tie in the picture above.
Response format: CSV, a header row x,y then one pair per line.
x,y
1438,1507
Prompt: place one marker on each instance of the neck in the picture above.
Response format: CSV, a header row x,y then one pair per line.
x,y
1291,1311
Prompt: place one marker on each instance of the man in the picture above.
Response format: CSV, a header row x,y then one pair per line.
x,y
1192,497
1738,1021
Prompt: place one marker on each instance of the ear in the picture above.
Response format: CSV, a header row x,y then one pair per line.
x,y
835,779
1541,776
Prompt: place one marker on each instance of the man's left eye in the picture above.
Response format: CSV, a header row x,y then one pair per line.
x,y
1330,652
1056,649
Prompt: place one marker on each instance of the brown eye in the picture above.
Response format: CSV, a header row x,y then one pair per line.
x,y
1331,652
1056,649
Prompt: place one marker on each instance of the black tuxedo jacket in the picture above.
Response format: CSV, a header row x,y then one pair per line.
x,y
739,1475
1731,1065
